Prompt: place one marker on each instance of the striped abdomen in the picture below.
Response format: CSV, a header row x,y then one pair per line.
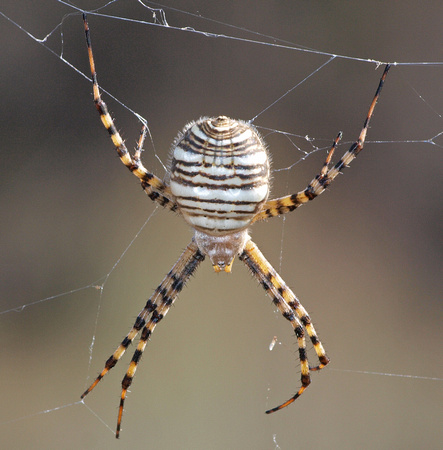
x,y
219,174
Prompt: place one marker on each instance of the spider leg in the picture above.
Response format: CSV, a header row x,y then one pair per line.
x,y
139,147
154,311
154,187
288,304
319,184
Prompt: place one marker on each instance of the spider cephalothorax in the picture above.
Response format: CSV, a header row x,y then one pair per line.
x,y
219,182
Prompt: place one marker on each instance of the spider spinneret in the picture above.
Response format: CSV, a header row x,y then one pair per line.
x,y
218,182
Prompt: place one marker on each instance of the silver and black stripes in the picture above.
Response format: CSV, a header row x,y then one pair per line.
x,y
219,175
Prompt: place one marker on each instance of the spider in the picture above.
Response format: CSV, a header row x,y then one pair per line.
x,y
219,182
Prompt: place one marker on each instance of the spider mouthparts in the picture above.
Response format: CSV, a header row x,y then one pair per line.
x,y
221,266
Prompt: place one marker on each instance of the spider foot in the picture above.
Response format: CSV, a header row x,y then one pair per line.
x,y
90,388
324,361
325,167
120,413
288,402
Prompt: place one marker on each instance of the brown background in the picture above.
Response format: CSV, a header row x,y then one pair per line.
x,y
365,258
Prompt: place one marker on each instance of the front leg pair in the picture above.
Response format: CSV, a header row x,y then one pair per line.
x,y
291,309
155,309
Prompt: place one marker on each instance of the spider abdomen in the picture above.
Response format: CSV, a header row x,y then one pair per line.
x,y
219,174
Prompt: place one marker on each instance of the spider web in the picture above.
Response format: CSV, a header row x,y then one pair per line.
x,y
83,248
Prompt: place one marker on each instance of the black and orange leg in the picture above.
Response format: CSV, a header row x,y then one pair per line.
x,y
154,311
319,184
154,187
288,304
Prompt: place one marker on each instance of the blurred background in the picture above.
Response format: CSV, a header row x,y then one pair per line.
x,y
364,259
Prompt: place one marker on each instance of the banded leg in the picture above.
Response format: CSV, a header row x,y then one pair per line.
x,y
153,312
318,185
154,187
287,303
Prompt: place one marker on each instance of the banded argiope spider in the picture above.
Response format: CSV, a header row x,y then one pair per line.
x,y
218,181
